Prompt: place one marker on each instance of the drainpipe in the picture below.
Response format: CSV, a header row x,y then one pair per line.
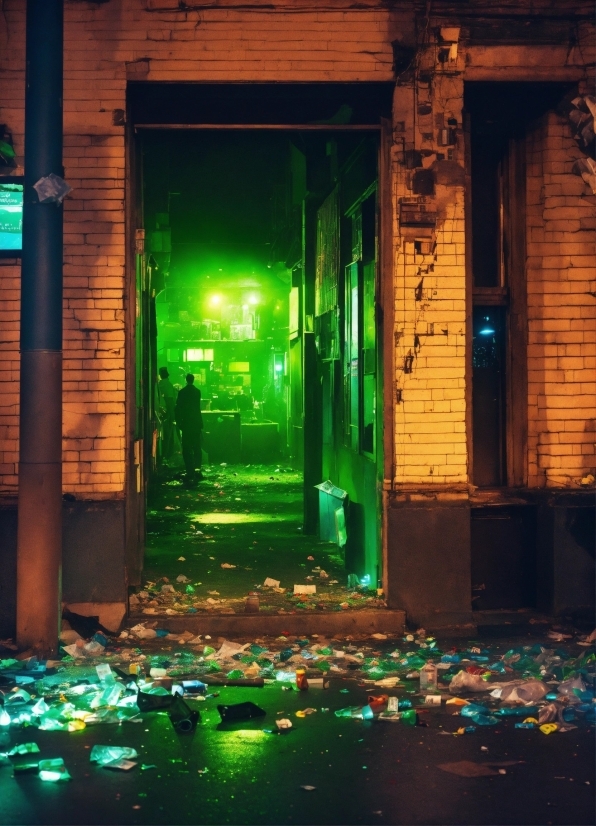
x,y
39,545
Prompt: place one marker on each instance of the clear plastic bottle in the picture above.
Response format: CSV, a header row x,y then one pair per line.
x,y
428,676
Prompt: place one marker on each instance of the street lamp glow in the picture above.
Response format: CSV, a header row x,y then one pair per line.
x,y
215,300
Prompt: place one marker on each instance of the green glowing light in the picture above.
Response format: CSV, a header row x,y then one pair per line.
x,y
215,300
234,518
250,734
52,777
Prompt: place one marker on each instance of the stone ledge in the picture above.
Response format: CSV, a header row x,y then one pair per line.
x,y
363,622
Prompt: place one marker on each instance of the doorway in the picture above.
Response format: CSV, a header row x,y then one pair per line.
x,y
260,277
499,118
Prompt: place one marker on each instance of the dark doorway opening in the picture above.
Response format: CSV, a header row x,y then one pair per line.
x,y
259,276
498,117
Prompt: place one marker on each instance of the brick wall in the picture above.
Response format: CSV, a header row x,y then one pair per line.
x,y
10,293
104,45
430,307
147,39
561,279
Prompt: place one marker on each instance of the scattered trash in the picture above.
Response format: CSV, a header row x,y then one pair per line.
x,y
271,583
51,189
229,649
240,711
183,718
428,676
474,683
103,755
251,603
23,748
305,589
53,771
301,681
467,768
106,680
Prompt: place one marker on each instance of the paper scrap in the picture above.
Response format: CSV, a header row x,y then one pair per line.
x,y
305,589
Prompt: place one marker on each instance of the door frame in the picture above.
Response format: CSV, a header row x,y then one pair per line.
x,y
136,500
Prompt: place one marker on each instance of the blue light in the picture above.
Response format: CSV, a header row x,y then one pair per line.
x,y
488,331
365,580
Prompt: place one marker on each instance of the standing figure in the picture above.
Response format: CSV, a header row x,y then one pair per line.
x,y
167,403
190,422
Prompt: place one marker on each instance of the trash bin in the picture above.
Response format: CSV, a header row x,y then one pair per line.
x,y
332,514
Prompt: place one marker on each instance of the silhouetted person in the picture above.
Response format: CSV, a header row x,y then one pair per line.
x,y
190,422
245,401
167,403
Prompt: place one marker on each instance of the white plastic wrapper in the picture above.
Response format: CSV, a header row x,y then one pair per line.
x,y
52,189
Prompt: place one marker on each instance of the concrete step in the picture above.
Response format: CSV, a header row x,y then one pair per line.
x,y
347,623
503,616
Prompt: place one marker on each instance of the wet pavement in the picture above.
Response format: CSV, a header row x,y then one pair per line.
x,y
226,536
380,770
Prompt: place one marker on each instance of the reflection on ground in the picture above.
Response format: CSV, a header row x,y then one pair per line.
x,y
207,547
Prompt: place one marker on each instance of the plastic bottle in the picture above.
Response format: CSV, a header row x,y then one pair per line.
x,y
285,676
409,717
251,603
349,711
428,676
301,681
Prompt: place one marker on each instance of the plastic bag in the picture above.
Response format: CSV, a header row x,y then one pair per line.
x,y
569,686
463,682
52,189
527,692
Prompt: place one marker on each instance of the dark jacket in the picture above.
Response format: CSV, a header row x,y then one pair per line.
x,y
188,408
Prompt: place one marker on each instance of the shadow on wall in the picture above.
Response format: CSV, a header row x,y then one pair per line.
x,y
354,550
581,524
93,560
8,569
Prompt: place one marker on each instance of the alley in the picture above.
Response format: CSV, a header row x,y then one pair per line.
x,y
240,526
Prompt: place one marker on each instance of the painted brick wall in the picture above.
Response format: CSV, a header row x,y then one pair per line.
x,y
561,277
430,307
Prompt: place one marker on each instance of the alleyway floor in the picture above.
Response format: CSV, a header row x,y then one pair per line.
x,y
239,526
327,769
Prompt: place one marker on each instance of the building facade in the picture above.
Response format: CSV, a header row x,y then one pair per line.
x,y
486,223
